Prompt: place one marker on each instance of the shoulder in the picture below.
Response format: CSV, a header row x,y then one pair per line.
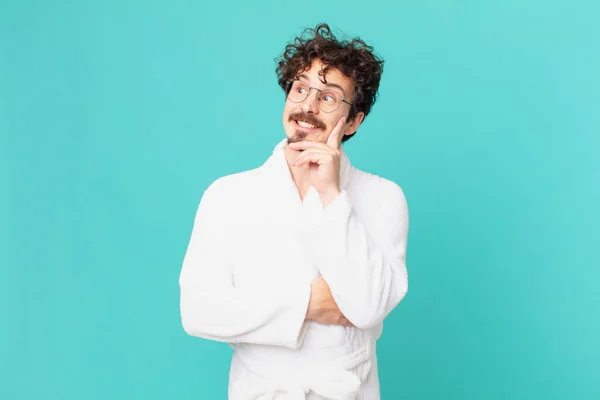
x,y
227,192
377,191
234,184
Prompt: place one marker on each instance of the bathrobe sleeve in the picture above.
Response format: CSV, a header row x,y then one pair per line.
x,y
212,308
365,270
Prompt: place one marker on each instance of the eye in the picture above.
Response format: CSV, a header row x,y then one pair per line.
x,y
330,97
300,87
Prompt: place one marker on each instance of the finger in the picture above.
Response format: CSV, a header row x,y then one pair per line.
x,y
334,137
303,145
315,156
315,151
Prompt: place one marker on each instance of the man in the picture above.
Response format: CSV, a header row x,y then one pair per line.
x,y
296,263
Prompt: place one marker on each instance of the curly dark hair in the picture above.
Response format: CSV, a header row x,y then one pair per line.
x,y
354,58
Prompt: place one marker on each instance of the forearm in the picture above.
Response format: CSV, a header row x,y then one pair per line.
x,y
367,280
231,315
212,307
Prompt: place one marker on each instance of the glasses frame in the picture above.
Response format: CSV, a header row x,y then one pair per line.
x,y
289,88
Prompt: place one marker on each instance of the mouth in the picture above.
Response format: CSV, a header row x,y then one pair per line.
x,y
305,125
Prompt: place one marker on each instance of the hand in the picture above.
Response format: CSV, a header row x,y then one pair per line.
x,y
322,307
323,161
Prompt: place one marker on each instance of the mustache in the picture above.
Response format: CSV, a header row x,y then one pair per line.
x,y
308,118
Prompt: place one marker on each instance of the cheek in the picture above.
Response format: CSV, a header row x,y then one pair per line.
x,y
287,110
328,124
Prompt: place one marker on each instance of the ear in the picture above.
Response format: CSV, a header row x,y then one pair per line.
x,y
353,127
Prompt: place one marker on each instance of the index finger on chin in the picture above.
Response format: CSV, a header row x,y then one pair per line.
x,y
333,139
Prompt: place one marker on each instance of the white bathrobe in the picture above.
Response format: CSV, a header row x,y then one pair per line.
x,y
245,280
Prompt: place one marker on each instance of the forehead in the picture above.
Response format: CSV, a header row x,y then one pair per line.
x,y
334,77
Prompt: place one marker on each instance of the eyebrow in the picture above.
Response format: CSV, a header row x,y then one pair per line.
x,y
335,85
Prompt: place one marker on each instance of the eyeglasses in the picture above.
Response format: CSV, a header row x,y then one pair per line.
x,y
329,100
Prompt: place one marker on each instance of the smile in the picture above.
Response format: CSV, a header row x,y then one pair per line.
x,y
305,125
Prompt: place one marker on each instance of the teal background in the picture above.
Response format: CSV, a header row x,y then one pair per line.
x,y
116,115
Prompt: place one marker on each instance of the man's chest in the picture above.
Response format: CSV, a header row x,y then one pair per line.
x,y
265,249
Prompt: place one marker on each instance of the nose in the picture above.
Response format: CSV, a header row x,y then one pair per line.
x,y
311,103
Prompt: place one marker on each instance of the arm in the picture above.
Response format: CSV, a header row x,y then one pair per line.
x,y
366,272
212,308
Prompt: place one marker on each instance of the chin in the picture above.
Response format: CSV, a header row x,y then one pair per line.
x,y
297,137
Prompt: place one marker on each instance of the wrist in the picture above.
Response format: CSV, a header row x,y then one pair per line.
x,y
329,196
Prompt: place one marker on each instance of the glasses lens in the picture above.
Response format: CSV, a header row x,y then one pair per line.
x,y
330,101
298,92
